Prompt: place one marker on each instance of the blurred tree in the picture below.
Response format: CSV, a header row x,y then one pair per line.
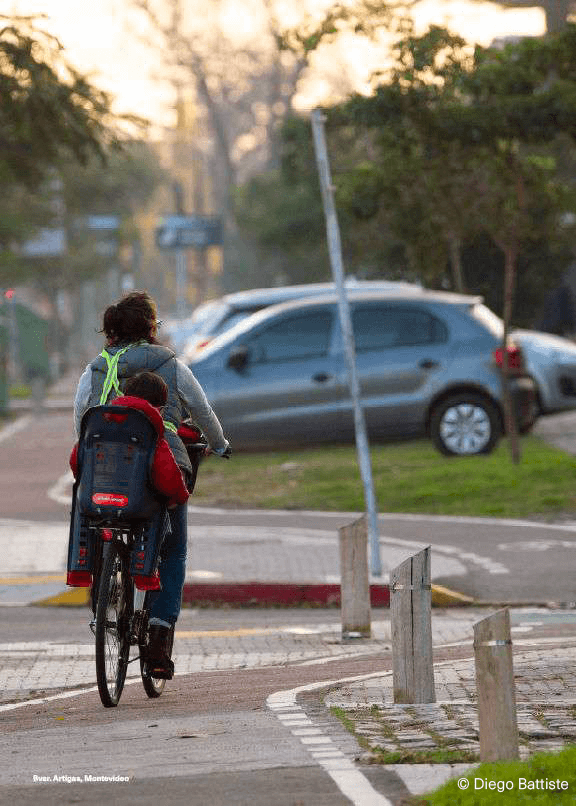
x,y
243,86
47,108
121,185
51,118
244,79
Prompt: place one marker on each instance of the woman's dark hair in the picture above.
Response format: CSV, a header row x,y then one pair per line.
x,y
131,319
148,386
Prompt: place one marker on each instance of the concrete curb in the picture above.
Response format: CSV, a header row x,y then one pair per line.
x,y
71,597
265,594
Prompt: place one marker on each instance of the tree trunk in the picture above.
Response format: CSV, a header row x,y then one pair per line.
x,y
455,246
509,417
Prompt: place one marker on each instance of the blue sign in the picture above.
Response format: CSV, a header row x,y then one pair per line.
x,y
46,243
102,222
189,232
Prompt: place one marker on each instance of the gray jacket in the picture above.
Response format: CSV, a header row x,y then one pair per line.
x,y
186,398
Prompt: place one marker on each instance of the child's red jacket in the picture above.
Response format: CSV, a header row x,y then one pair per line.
x,y
167,477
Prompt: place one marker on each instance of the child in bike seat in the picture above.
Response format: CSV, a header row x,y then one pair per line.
x,y
148,392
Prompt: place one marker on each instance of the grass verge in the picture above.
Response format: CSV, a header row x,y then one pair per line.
x,y
537,782
408,477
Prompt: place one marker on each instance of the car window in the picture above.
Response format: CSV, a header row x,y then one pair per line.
x,y
377,327
294,337
236,316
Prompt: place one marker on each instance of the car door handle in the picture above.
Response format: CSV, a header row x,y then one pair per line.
x,y
321,377
427,363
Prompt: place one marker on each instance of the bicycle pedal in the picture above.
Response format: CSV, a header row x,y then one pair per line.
x,y
159,671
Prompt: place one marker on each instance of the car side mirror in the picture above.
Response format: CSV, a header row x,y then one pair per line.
x,y
238,358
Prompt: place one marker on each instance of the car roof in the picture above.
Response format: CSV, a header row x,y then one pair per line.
x,y
353,295
271,296
421,294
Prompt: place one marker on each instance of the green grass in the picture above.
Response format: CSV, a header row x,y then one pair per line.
x,y
408,477
541,767
439,756
21,391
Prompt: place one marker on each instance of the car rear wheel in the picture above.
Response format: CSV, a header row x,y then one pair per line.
x,y
465,425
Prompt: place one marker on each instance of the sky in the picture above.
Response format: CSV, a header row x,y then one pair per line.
x,y
99,40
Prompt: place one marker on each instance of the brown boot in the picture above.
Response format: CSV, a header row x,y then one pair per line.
x,y
159,651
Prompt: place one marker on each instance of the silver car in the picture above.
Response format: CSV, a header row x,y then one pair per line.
x,y
216,316
551,361
428,363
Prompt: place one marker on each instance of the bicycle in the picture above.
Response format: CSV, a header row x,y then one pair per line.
x,y
104,545
121,616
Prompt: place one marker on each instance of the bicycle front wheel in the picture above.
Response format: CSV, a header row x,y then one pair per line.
x,y
113,613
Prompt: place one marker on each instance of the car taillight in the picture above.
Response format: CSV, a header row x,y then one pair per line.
x,y
515,358
202,344
79,579
106,535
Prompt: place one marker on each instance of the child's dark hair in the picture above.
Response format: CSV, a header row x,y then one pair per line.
x,y
148,386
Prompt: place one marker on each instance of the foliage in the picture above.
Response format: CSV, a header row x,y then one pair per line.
x,y
364,17
54,124
48,109
122,185
491,108
242,85
422,170
454,120
283,212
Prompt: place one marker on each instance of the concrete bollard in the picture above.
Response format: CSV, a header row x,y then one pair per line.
x,y
411,617
355,582
495,688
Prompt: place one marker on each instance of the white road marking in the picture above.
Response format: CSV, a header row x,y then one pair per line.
x,y
13,428
58,491
486,563
537,545
347,777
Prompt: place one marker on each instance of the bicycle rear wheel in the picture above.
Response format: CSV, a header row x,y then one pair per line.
x,y
113,613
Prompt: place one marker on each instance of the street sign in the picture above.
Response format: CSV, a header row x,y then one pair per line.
x,y
189,232
99,222
46,243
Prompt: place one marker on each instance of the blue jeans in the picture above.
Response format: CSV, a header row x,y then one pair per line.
x,y
165,604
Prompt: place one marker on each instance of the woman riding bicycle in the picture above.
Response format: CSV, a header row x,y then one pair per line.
x,y
130,328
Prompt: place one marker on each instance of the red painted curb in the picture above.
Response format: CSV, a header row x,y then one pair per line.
x,y
270,594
